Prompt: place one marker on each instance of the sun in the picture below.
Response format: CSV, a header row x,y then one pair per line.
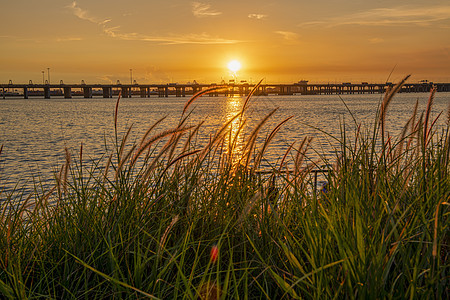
x,y
234,66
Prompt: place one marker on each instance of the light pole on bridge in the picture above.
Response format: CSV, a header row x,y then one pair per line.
x,y
131,76
43,78
48,73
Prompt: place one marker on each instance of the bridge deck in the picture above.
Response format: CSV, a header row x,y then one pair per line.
x,y
181,90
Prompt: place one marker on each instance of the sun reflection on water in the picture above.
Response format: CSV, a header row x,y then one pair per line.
x,y
234,139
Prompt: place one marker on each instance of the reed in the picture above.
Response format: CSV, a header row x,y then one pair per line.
x,y
166,218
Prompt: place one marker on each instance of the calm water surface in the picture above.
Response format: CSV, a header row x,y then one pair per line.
x,y
35,132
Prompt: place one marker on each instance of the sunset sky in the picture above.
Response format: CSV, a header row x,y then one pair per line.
x,y
99,41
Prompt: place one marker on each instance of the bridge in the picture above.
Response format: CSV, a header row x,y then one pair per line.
x,y
182,90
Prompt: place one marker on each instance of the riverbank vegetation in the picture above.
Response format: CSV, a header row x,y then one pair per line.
x,y
164,217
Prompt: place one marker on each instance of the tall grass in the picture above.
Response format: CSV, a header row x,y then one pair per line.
x,y
147,225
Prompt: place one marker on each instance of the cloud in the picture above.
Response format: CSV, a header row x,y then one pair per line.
x,y
257,16
289,37
204,39
82,13
376,40
203,10
397,16
114,31
69,39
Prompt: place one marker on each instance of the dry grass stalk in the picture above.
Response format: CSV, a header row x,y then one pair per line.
x,y
201,93
150,129
180,157
299,172
436,229
234,139
81,156
218,136
249,96
413,125
268,140
163,240
152,165
448,116
250,144
427,116
122,144
190,136
301,153
398,151
174,142
285,156
108,163
124,159
358,132
155,138
66,169
116,112
388,96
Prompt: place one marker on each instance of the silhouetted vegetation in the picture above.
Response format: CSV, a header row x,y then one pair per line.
x,y
166,218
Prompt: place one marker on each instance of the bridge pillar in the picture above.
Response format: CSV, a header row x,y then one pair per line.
x,y
87,92
160,92
107,92
183,91
25,93
166,92
143,92
3,93
67,92
303,90
124,92
246,90
47,92
178,91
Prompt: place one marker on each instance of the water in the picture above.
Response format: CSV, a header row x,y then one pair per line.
x,y
34,132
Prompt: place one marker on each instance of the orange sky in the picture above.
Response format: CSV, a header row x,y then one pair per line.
x,y
180,41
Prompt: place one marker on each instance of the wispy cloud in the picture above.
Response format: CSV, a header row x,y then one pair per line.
x,y
203,38
289,37
257,16
376,40
82,13
203,10
21,39
397,16
69,39
114,31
